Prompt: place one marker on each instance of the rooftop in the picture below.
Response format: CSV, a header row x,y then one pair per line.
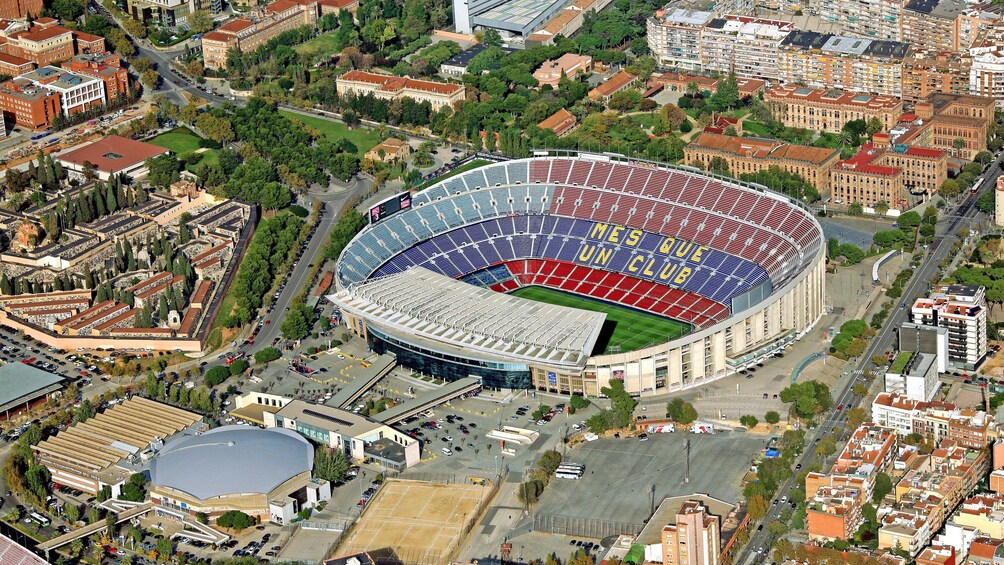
x,y
20,382
445,310
667,512
112,154
395,83
464,57
834,96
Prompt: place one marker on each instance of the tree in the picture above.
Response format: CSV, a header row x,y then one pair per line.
x,y
330,465
164,170
84,412
549,461
681,412
882,207
856,416
772,417
150,79
873,126
238,367
298,321
216,375
808,398
267,354
855,209
134,489
200,21
909,219
726,96
749,421
883,486
235,519
491,37
757,507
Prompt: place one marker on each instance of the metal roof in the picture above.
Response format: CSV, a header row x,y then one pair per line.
x,y
20,383
441,309
232,460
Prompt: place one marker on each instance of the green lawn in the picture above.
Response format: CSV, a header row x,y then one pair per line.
x,y
181,140
466,167
324,45
755,128
629,329
363,138
644,120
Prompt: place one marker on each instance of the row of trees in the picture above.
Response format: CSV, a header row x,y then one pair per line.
x,y
529,491
270,248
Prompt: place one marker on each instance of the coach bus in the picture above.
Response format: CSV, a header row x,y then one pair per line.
x,y
570,471
976,185
39,519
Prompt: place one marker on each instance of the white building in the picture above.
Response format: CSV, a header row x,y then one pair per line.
x,y
874,19
926,339
999,202
674,37
962,310
744,46
986,75
77,93
894,411
913,375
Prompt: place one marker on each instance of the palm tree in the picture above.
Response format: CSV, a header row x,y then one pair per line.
x,y
692,89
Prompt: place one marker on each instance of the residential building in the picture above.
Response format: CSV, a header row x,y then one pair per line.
x,y
908,528
169,13
617,83
385,87
105,66
982,550
834,502
28,105
913,375
818,109
695,538
561,122
77,93
874,19
746,47
962,310
984,513
390,150
248,32
986,75
936,555
674,37
749,155
568,65
20,9
849,63
935,421
925,339
928,72
931,24
976,22
45,41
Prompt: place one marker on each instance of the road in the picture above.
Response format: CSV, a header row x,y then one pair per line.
x,y
844,397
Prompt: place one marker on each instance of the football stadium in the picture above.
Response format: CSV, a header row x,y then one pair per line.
x,y
563,272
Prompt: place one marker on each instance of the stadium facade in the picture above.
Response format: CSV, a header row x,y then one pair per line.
x,y
742,265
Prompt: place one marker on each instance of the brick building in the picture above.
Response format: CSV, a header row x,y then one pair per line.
x,y
19,9
387,87
818,109
105,66
45,41
248,32
749,155
27,105
899,175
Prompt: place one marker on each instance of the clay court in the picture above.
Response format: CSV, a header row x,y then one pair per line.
x,y
421,522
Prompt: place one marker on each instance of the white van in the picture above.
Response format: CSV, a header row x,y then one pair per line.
x,y
447,451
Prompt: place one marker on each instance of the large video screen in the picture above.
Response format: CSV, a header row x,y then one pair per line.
x,y
392,205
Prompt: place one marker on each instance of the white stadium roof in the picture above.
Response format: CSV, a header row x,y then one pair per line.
x,y
437,308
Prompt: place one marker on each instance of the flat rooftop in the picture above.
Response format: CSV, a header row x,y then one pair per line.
x,y
20,383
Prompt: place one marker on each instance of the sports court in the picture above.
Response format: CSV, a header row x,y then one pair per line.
x,y
421,522
625,328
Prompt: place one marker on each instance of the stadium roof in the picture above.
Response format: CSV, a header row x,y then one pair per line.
x,y
229,460
441,309
21,383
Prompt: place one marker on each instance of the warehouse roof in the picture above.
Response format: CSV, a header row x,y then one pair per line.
x,y
21,383
217,462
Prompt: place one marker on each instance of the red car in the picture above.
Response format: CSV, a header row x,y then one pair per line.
x,y
267,322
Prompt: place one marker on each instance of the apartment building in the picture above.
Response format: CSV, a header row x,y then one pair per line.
x,y
248,32
986,74
913,375
962,310
931,24
45,41
27,105
937,422
927,72
984,513
876,19
694,538
749,155
907,528
169,13
744,46
20,9
834,505
818,109
674,37
77,93
850,63
105,66
437,94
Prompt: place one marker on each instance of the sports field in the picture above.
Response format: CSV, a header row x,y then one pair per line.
x,y
421,522
625,328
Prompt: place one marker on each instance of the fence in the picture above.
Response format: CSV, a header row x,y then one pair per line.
x,y
583,527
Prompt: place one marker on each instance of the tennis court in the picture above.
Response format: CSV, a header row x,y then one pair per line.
x,y
421,522
625,329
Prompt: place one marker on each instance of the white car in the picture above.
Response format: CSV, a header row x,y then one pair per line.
x,y
448,438
447,451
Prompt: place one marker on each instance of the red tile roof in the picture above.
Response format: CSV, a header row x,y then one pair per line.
x,y
217,36
88,37
862,162
925,152
392,83
236,25
280,6
113,153
614,84
42,34
562,119
12,60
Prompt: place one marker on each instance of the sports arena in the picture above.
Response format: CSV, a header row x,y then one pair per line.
x,y
562,272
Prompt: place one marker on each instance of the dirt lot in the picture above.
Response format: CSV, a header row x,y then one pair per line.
x,y
421,522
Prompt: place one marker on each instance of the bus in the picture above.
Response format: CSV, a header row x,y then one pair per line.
x,y
570,471
39,519
976,185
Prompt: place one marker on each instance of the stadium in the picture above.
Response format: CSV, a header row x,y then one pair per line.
x,y
563,272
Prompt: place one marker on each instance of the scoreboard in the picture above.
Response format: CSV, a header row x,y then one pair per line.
x,y
391,206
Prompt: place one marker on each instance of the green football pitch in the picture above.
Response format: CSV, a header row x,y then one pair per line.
x,y
625,329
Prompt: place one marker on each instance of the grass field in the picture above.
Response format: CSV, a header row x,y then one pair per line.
x,y
625,328
364,139
324,44
420,521
466,167
180,140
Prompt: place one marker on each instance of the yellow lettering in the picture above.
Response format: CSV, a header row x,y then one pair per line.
x,y
603,256
586,253
598,231
696,257
684,273
633,265
615,233
684,249
667,244
648,268
667,271
634,236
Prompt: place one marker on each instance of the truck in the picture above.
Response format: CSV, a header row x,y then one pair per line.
x,y
662,428
703,428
